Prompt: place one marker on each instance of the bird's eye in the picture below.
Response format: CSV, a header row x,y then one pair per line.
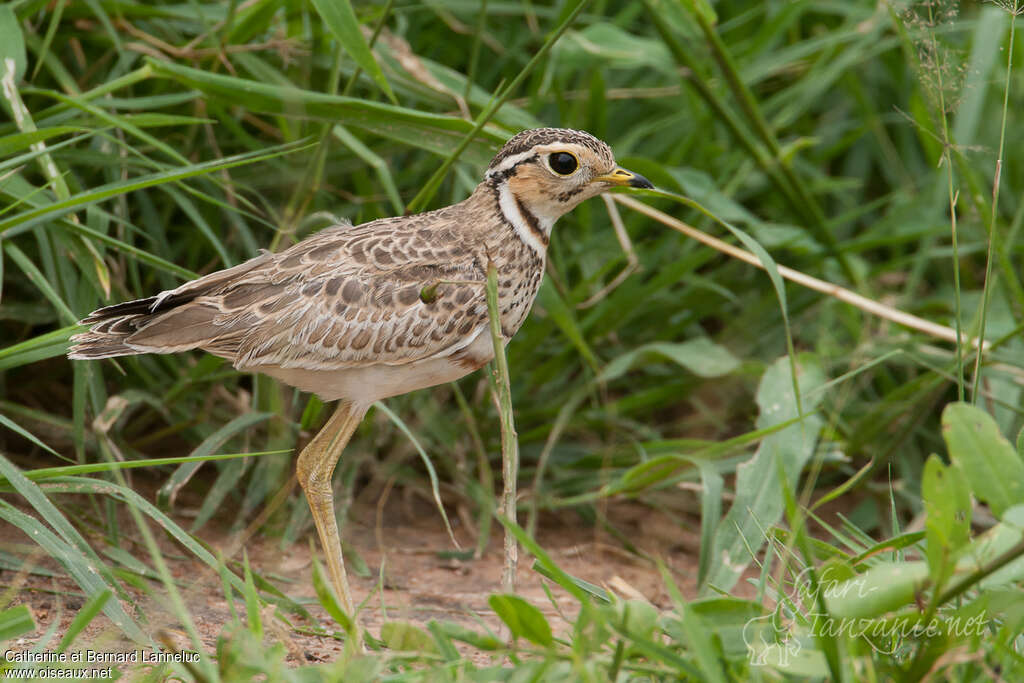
x,y
563,163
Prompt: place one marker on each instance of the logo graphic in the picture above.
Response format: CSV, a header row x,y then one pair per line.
x,y
776,639
770,643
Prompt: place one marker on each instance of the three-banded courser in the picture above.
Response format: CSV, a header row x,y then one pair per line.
x,y
360,313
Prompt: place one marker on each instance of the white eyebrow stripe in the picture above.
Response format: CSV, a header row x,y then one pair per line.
x,y
509,162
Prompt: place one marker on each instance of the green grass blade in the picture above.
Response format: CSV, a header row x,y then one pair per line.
x,y
342,22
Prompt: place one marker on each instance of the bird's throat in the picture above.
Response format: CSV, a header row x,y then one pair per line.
x,y
533,230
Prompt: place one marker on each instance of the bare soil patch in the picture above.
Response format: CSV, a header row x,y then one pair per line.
x,y
403,547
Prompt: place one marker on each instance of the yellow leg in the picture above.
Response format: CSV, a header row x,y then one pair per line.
x,y
314,470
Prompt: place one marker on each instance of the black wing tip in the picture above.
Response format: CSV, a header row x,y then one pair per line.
x,y
118,310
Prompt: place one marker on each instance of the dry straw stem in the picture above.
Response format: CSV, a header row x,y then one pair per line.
x,y
842,294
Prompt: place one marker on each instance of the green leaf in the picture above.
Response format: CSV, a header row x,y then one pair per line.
x,y
15,621
711,483
84,485
613,47
659,470
329,600
252,600
44,346
991,545
523,619
12,45
458,632
759,499
880,589
947,503
15,427
571,583
701,356
342,22
27,219
93,606
433,132
725,618
699,637
704,9
16,142
405,637
637,618
84,570
167,493
442,642
991,465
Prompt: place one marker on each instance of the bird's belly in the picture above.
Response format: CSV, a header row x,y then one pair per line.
x,y
372,382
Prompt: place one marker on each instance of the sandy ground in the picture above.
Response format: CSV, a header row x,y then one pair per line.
x,y
402,546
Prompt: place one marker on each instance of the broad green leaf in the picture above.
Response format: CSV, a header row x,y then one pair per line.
x,y
13,59
992,466
701,356
607,44
459,632
760,502
342,22
880,589
406,637
638,618
15,621
947,503
704,9
565,317
1003,538
523,619
436,133
659,470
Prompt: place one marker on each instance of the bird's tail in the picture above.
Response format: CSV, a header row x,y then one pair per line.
x,y
170,325
111,327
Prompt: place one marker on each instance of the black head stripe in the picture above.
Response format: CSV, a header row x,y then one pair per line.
x,y
511,171
531,222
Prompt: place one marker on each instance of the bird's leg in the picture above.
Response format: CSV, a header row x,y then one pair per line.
x,y
314,470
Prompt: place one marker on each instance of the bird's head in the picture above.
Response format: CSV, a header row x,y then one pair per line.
x,y
545,172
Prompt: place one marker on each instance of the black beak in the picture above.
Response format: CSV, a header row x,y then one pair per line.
x,y
639,181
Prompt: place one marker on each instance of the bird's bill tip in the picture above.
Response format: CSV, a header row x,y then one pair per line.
x,y
620,177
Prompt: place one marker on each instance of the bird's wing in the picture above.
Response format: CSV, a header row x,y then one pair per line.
x,y
344,297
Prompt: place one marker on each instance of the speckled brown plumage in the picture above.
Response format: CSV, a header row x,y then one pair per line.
x,y
349,297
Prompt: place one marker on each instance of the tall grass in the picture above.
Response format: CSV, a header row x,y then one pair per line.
x,y
863,144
